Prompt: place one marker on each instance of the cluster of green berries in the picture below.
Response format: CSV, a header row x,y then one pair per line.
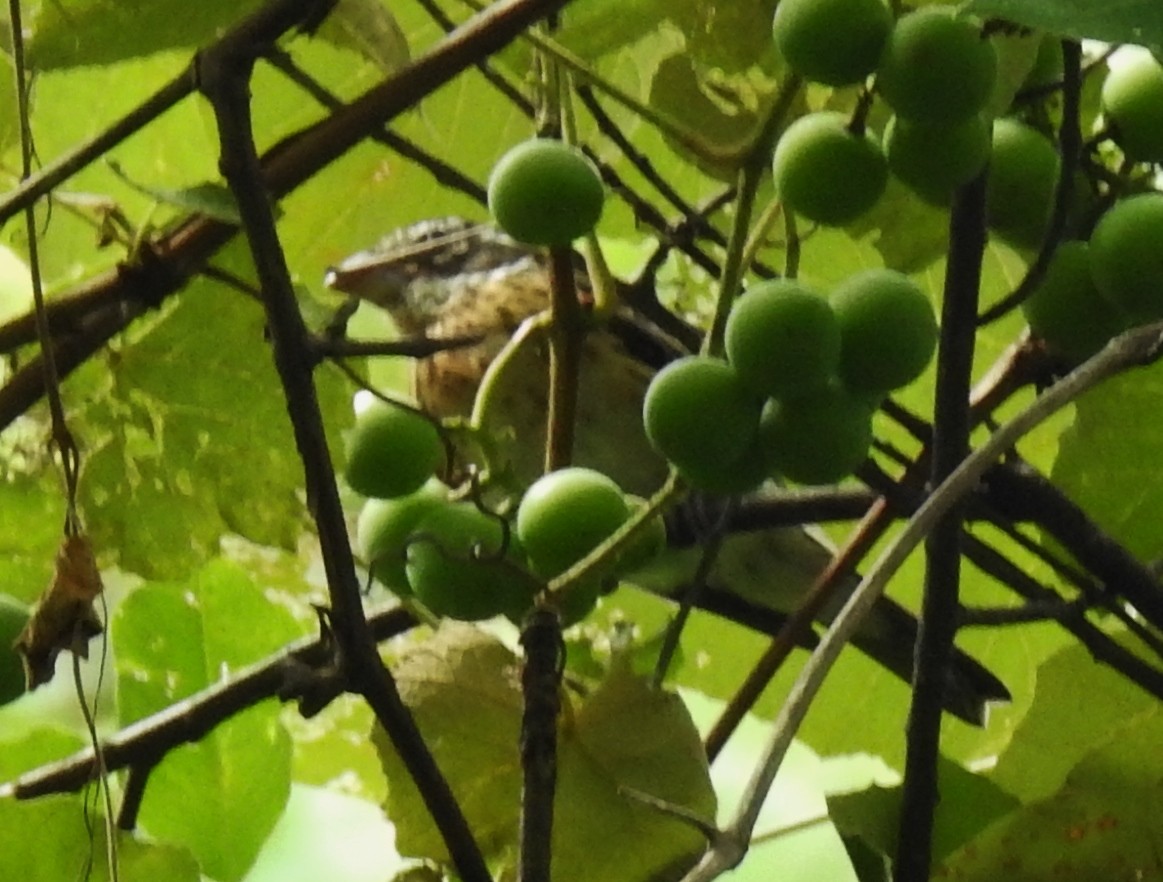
x,y
803,373
456,557
934,70
1094,288
937,73
802,377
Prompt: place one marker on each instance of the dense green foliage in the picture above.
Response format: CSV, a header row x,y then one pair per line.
x,y
201,501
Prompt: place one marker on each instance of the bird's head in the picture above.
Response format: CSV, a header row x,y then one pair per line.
x,y
418,272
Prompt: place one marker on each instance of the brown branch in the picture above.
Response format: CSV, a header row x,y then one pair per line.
x,y
224,77
940,602
541,688
193,718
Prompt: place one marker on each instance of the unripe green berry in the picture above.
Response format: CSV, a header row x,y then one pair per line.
x,y
545,192
1023,174
1132,99
782,338
1067,311
888,332
936,67
934,159
1126,254
826,172
836,42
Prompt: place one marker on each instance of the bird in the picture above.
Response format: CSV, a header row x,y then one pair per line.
x,y
457,279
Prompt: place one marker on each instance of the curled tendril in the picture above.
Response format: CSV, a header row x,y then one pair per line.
x,y
475,495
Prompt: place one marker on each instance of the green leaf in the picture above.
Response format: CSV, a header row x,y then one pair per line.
x,y
1076,702
368,28
47,839
793,837
1115,21
463,684
600,27
15,285
34,749
1108,459
54,843
31,514
726,34
191,439
969,803
221,796
330,749
722,119
44,839
71,33
1102,824
213,200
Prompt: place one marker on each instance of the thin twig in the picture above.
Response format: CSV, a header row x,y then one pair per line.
x,y
876,519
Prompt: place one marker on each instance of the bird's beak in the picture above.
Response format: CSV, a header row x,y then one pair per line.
x,y
369,277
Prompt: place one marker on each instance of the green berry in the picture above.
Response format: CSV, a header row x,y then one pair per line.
x,y
383,529
836,42
391,451
700,416
1132,99
818,439
545,192
934,159
888,332
1023,174
456,569
1067,311
565,515
1126,256
782,338
936,67
826,172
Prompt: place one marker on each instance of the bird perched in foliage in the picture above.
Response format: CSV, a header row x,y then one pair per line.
x,y
450,278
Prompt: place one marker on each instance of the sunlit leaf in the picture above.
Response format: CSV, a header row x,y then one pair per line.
x,y
1103,823
622,734
221,796
1115,21
69,33
1073,710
